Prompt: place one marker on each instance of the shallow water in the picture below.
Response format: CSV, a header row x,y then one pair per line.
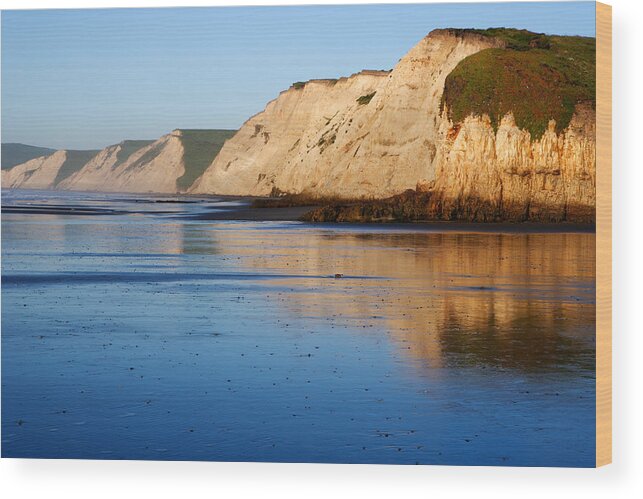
x,y
143,334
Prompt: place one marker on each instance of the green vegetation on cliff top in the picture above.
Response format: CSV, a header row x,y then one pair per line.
x,y
365,99
200,148
145,158
14,154
537,77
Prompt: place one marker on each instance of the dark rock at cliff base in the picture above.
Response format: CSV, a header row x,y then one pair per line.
x,y
414,206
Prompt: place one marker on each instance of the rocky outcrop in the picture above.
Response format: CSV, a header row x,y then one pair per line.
x,y
371,135
278,149
488,176
508,175
376,135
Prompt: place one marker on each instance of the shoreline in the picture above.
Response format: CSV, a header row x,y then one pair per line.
x,y
248,213
241,208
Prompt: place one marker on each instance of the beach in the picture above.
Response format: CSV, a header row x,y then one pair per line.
x,y
201,328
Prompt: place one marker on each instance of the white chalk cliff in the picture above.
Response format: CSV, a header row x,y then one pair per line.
x,y
151,168
167,165
377,134
38,173
369,136
323,139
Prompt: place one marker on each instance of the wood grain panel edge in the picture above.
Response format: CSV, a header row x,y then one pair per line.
x,y
603,234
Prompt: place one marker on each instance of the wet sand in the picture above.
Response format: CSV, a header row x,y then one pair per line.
x,y
246,212
243,210
152,334
237,208
60,210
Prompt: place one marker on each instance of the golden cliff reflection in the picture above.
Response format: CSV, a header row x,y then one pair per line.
x,y
515,301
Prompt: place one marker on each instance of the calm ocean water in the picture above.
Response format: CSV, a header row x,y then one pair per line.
x,y
133,332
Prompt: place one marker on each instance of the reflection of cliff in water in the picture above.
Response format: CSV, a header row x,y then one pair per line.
x,y
532,337
515,301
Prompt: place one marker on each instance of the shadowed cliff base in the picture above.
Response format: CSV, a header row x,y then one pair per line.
x,y
417,206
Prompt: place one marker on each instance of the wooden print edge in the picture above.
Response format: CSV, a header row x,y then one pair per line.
x,y
603,234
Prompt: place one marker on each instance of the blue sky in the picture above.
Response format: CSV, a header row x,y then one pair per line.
x,y
89,78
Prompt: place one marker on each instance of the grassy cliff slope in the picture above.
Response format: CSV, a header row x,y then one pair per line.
x,y
15,154
74,162
129,147
537,77
201,147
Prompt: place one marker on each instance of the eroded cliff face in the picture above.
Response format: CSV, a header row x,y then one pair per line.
x,y
38,173
376,135
152,168
379,137
98,174
371,135
167,165
95,175
279,148
509,175
482,175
